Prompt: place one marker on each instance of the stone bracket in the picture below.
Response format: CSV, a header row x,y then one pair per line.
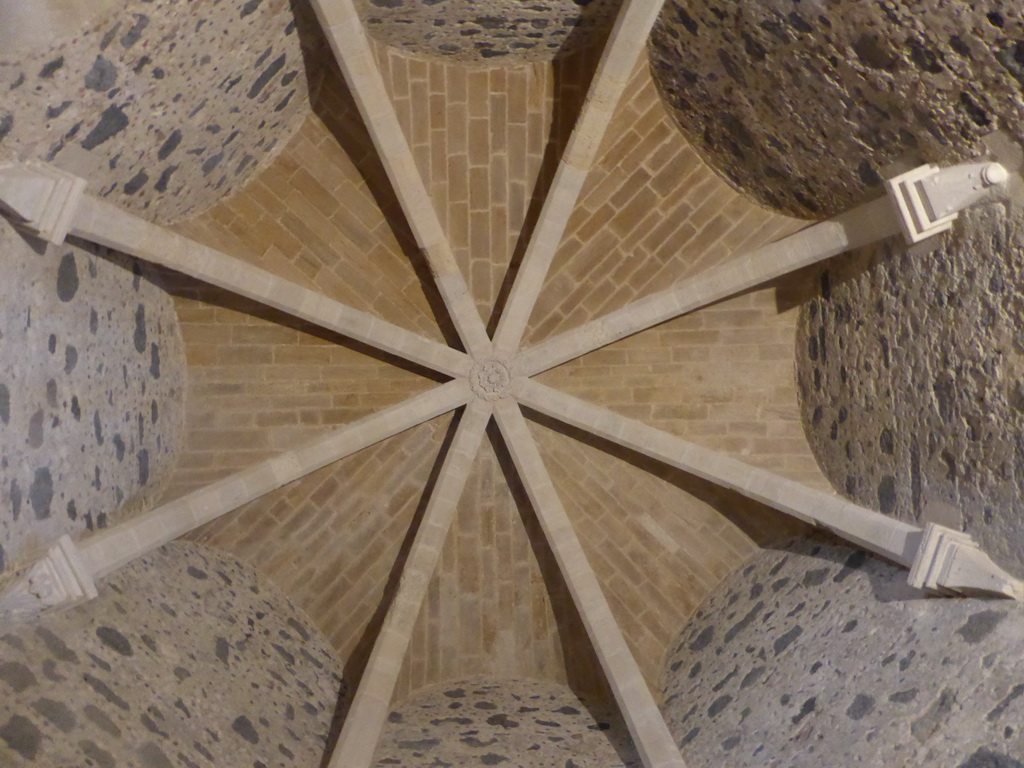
x,y
950,562
929,199
59,580
40,198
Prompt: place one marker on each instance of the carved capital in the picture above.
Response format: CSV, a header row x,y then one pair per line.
x,y
40,199
929,199
949,561
57,581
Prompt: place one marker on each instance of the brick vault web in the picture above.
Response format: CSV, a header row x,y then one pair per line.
x,y
493,377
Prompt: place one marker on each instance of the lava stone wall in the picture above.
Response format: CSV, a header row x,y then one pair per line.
x,y
482,30
92,377
910,370
186,658
163,107
494,722
818,653
803,106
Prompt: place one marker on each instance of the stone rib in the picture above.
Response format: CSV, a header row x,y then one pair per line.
x,y
632,26
115,547
646,725
860,226
344,31
105,224
893,539
365,720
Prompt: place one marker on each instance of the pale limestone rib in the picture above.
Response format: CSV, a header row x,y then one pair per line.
x,y
626,42
860,226
100,222
344,31
893,539
365,719
115,547
650,734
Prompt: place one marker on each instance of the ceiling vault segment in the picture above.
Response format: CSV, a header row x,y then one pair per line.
x,y
643,718
39,195
372,702
351,46
907,209
628,37
105,552
52,204
956,566
862,225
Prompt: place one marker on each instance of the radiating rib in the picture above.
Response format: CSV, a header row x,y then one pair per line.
x,y
624,46
105,224
115,547
344,31
872,530
365,720
650,734
860,226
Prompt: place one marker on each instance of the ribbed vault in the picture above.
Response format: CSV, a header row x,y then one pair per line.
x,y
461,226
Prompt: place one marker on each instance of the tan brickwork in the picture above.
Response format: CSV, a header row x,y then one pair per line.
x,y
486,140
330,540
315,217
651,212
498,605
257,387
658,539
722,377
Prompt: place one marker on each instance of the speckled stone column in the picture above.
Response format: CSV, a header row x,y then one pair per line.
x,y
92,378
499,31
186,658
817,653
163,109
508,723
804,106
910,370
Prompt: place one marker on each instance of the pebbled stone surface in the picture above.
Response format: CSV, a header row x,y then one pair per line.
x,y
164,112
817,650
911,380
525,723
134,677
92,381
488,30
804,106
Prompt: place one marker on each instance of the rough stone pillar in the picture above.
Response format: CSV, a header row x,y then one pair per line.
x,y
30,27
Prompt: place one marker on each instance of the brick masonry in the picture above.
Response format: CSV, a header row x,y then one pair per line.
x,y
722,377
498,605
330,540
